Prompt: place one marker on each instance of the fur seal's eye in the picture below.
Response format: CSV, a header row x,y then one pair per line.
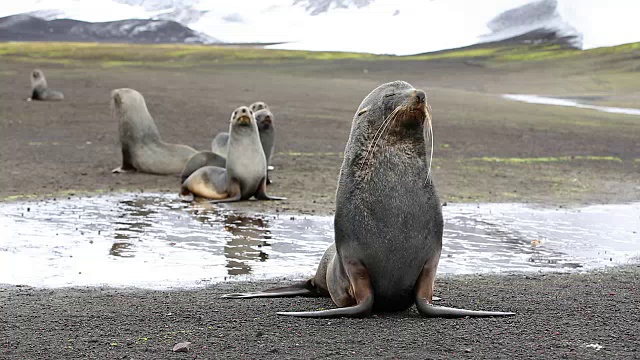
x,y
389,95
234,113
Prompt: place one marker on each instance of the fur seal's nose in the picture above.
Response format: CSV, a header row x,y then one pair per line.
x,y
421,96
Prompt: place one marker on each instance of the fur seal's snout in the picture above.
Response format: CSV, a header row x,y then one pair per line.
x,y
242,116
420,96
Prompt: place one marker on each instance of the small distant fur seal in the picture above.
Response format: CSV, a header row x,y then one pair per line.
x,y
245,173
40,90
388,221
142,148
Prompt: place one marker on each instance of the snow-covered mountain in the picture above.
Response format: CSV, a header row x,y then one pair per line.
x,y
29,28
378,26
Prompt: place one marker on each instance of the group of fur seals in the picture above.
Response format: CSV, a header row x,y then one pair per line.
x,y
40,90
388,221
265,120
142,148
245,172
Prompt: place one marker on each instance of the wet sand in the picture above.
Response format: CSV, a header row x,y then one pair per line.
x,y
487,149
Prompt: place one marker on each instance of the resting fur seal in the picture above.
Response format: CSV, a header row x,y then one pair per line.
x,y
245,174
388,221
39,89
201,159
142,148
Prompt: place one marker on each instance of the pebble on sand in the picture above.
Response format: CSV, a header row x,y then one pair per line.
x,y
182,347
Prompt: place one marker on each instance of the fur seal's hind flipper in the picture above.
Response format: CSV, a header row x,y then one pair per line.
x,y
304,288
424,291
431,310
261,194
350,288
360,310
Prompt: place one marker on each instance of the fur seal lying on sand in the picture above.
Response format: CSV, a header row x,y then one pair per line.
x,y
201,159
142,148
39,89
388,220
245,174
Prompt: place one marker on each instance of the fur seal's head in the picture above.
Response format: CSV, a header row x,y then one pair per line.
x,y
125,100
242,117
258,105
264,119
130,110
37,78
395,115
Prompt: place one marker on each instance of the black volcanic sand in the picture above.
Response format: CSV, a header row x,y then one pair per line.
x,y
558,316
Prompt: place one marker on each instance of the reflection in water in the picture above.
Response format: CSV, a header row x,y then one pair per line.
x,y
248,236
122,249
249,239
157,241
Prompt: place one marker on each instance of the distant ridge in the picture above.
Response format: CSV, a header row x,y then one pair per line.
x,y
29,28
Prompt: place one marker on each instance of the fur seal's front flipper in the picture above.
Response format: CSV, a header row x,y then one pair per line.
x,y
303,288
261,194
350,288
424,291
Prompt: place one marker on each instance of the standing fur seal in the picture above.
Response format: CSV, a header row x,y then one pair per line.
x,y
245,174
142,148
201,159
388,221
257,106
39,89
264,119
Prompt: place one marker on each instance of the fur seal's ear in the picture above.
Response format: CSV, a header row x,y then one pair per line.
x,y
363,111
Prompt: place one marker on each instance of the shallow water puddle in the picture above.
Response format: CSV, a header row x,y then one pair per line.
x,y
535,99
156,241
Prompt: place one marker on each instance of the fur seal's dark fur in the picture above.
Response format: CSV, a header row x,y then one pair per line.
x,y
142,148
388,220
40,90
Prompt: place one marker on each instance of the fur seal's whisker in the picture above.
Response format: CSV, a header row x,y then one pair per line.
x,y
381,130
374,140
430,139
